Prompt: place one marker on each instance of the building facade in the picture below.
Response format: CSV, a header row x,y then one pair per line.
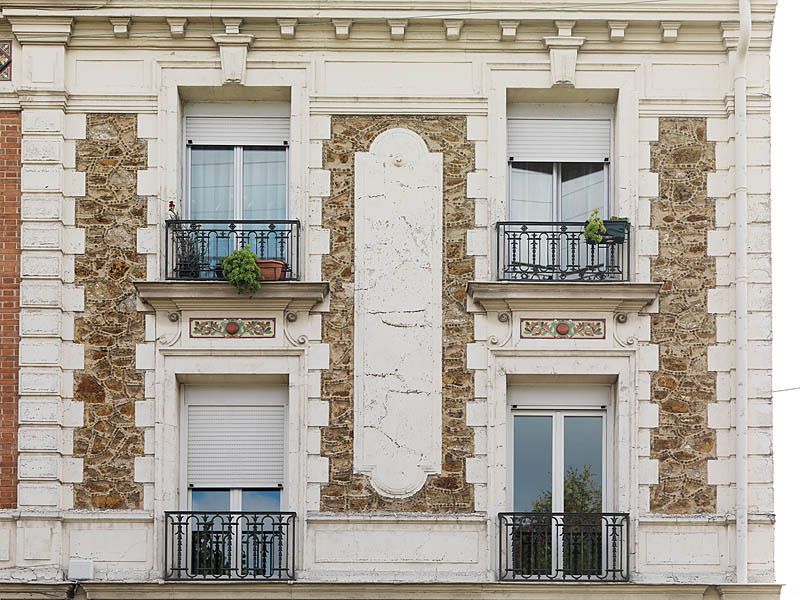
x,y
514,337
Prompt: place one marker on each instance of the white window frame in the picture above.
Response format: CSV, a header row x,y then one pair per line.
x,y
555,199
536,400
238,177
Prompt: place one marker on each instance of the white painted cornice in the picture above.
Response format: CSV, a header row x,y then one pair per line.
x,y
220,295
502,296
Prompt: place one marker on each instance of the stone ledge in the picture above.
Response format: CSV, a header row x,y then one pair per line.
x,y
36,591
220,295
423,591
503,296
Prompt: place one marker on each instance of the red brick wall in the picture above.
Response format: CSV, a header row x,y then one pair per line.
x,y
10,139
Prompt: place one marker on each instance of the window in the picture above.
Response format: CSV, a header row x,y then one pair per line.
x,y
559,480
558,169
236,189
547,192
235,454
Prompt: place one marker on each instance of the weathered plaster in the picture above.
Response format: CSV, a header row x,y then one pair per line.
x,y
448,492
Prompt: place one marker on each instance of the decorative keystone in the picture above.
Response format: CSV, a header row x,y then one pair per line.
x,y
233,48
564,54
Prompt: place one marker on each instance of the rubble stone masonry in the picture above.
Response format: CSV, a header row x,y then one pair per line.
x,y
110,327
448,492
10,143
683,329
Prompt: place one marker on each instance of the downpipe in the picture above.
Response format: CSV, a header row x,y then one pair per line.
x,y
742,282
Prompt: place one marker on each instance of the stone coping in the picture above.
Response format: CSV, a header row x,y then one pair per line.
x,y
602,297
197,295
299,590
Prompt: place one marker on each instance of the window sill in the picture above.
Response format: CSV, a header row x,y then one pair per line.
x,y
502,296
194,295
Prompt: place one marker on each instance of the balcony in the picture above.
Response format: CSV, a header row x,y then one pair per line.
x,y
230,546
560,252
565,547
195,249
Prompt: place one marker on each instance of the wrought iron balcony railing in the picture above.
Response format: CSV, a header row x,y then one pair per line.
x,y
229,545
542,251
564,547
196,249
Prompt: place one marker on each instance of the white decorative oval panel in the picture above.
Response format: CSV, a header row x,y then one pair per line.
x,y
398,313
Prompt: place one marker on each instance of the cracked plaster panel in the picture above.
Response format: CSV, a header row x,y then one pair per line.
x,y
346,490
398,312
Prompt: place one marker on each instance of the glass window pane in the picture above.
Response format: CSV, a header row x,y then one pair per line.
x,y
211,176
533,463
582,190
531,192
583,464
261,500
265,183
211,500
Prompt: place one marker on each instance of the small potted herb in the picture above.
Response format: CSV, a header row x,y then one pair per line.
x,y
594,230
241,270
616,229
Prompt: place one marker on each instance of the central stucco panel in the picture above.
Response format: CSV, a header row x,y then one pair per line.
x,y
398,313
441,456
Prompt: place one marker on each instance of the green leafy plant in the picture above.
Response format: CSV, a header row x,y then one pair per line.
x,y
622,219
241,270
594,230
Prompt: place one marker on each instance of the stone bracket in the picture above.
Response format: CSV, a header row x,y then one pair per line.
x,y
563,59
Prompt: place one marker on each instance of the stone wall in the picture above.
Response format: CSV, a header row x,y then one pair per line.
x,y
110,327
683,329
346,491
10,163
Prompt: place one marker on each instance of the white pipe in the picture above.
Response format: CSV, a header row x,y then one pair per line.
x,y
740,90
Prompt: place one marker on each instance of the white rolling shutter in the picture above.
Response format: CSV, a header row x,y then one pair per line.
x,y
235,446
237,131
559,140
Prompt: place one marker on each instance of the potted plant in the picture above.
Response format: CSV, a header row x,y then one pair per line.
x,y
616,229
272,269
594,230
241,270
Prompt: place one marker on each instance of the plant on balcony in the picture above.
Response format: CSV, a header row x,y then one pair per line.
x,y
240,269
272,269
616,227
594,230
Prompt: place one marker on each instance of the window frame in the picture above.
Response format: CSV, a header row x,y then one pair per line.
x,y
536,400
555,197
238,175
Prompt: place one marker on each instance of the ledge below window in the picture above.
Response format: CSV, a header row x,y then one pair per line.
x,y
502,296
205,295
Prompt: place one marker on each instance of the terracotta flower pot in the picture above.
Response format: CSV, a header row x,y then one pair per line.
x,y
272,269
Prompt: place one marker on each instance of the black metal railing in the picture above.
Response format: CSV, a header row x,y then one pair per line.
x,y
196,249
542,251
230,545
564,547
